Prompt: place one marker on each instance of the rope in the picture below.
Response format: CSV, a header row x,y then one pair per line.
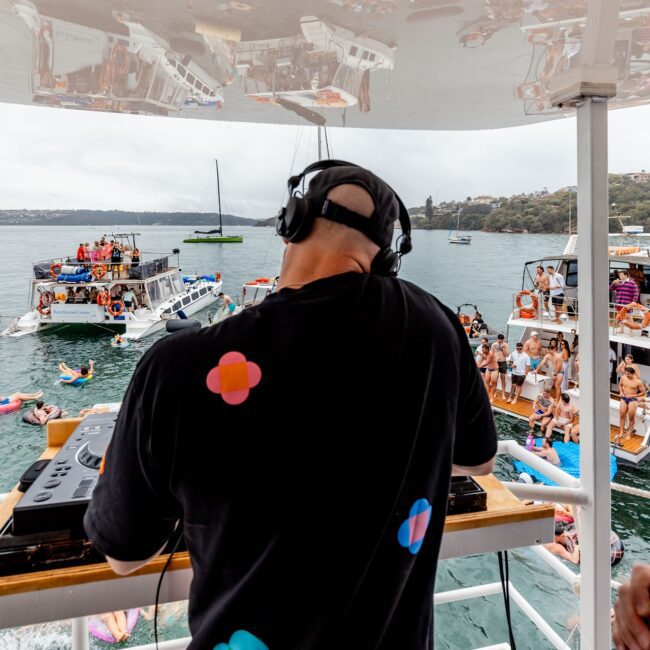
x,y
626,489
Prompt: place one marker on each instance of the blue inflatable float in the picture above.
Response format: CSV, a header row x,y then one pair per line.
x,y
569,453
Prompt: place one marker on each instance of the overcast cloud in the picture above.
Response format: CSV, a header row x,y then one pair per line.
x,y
53,158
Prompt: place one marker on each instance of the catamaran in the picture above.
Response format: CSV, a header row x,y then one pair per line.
x,y
64,291
215,236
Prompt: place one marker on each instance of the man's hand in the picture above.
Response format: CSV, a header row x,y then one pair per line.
x,y
632,609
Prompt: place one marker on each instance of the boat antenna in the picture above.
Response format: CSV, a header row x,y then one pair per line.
x,y
216,162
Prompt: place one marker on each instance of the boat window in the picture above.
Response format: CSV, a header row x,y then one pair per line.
x,y
154,293
191,79
177,305
194,295
166,287
641,355
353,50
204,290
372,56
186,301
365,55
571,279
177,283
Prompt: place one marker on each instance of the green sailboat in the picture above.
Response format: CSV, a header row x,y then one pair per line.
x,y
214,236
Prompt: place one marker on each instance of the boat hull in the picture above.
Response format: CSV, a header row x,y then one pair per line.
x,y
237,239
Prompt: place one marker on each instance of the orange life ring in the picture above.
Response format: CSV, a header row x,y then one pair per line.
x,y
115,312
624,312
533,304
263,280
44,311
55,269
103,299
99,271
526,313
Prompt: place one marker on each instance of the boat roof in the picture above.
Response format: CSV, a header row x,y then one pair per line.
x,y
635,258
472,64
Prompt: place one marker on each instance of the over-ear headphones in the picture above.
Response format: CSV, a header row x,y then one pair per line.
x,y
296,219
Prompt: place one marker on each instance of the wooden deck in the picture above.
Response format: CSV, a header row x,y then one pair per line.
x,y
524,407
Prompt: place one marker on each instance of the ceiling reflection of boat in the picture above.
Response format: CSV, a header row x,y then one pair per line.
x,y
58,298
628,335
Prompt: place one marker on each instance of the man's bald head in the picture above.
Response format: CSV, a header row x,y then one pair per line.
x,y
352,197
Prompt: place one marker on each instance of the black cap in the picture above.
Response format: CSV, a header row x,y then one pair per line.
x,y
387,206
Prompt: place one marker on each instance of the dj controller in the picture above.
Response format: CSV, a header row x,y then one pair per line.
x,y
46,529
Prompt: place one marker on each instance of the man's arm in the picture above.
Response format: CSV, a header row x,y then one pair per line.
x,y
473,470
632,610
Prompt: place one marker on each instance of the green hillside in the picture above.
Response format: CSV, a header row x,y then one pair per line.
x,y
535,213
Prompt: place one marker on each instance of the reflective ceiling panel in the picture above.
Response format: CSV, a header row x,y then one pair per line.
x,y
400,64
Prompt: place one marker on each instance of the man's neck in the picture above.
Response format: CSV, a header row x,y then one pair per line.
x,y
300,267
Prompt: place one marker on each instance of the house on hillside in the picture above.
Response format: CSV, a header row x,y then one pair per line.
x,y
484,199
639,177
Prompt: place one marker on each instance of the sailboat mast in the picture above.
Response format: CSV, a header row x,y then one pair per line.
x,y
216,162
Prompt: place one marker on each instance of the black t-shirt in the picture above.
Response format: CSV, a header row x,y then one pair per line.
x,y
306,444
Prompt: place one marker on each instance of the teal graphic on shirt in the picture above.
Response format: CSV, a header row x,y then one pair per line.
x,y
242,640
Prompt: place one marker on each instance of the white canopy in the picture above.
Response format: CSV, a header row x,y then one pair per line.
x,y
418,64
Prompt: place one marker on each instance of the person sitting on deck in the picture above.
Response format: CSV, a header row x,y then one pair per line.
x,y
20,397
475,329
84,372
547,452
631,389
70,296
533,348
520,363
626,290
563,418
543,407
554,359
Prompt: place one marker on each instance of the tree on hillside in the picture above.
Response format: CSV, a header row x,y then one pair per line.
x,y
428,208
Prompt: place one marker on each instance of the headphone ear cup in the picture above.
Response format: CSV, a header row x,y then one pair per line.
x,y
294,221
385,262
406,245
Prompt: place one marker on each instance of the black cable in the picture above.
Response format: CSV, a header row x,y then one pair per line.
x,y
505,586
160,580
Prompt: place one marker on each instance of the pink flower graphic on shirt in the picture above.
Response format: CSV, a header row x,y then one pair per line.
x,y
233,377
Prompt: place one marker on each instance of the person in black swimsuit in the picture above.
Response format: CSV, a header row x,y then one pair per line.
x,y
116,259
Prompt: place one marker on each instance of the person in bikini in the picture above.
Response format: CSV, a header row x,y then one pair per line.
x,y
563,419
501,352
554,359
533,348
542,410
631,390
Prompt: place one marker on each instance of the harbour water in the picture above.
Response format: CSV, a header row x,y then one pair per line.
x,y
486,273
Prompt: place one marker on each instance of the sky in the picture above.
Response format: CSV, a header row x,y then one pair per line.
x,y
64,159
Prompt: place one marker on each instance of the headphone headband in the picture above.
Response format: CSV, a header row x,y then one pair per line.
x,y
296,219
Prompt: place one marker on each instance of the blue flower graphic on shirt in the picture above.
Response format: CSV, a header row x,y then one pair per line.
x,y
242,640
411,533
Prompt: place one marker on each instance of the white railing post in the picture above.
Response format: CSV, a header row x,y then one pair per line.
x,y
593,298
80,633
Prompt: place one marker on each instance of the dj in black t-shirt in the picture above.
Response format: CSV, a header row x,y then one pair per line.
x,y
307,446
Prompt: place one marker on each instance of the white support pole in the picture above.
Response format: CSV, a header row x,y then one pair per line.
x,y
80,633
593,298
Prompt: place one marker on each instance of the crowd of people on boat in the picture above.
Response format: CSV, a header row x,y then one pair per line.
x,y
129,297
117,258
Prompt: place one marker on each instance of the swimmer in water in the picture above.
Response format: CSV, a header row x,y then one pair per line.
x,y
84,372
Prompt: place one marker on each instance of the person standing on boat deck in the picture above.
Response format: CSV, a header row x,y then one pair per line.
x,y
284,556
520,363
541,283
491,375
130,301
628,362
116,260
501,352
533,348
228,304
626,290
80,253
556,291
554,359
565,352
631,627
563,418
631,389
135,258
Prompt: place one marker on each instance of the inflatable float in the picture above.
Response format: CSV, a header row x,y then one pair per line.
x,y
7,407
28,417
123,345
100,630
569,454
79,381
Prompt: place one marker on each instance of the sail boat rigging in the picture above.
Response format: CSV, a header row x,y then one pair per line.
x,y
215,236
458,238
